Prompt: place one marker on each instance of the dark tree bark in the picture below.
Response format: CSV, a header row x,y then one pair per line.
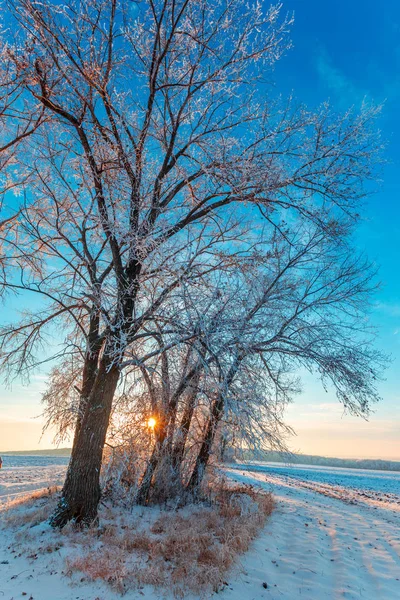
x,y
184,426
206,446
89,373
81,491
217,411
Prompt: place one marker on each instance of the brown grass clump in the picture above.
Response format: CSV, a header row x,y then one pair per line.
x,y
202,546
186,551
138,541
105,564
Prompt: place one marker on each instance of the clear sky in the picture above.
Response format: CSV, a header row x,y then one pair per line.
x,y
344,50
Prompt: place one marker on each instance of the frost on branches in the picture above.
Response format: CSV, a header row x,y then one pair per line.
x,y
186,236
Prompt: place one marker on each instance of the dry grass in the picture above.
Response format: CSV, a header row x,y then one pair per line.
x,y
189,550
105,564
185,551
31,508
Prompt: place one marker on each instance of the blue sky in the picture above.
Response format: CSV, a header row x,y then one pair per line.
x,y
344,51
347,51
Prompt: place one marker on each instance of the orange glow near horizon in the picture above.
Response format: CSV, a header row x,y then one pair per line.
x,y
359,439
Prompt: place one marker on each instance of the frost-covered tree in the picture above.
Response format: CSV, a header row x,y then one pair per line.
x,y
300,304
160,134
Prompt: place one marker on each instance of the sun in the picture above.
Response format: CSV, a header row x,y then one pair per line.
x,y
151,422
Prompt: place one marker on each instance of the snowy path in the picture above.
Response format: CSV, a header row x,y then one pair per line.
x,y
314,547
320,548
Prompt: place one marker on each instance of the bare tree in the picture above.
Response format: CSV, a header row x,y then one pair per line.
x,y
247,336
159,136
307,311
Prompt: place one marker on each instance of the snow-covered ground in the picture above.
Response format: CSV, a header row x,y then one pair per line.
x,y
319,544
25,473
31,460
365,480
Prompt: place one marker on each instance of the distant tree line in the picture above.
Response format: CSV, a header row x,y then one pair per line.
x,y
310,459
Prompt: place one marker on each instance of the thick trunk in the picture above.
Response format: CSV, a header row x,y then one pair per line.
x,y
81,491
88,379
89,373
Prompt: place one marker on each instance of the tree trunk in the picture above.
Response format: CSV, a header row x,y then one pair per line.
x,y
205,450
88,379
81,491
164,439
209,436
184,427
142,496
89,372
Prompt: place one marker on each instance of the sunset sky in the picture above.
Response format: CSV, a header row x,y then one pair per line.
x,y
346,52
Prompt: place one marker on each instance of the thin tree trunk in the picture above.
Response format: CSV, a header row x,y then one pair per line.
x,y
173,404
209,436
164,440
184,427
206,446
142,496
81,491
